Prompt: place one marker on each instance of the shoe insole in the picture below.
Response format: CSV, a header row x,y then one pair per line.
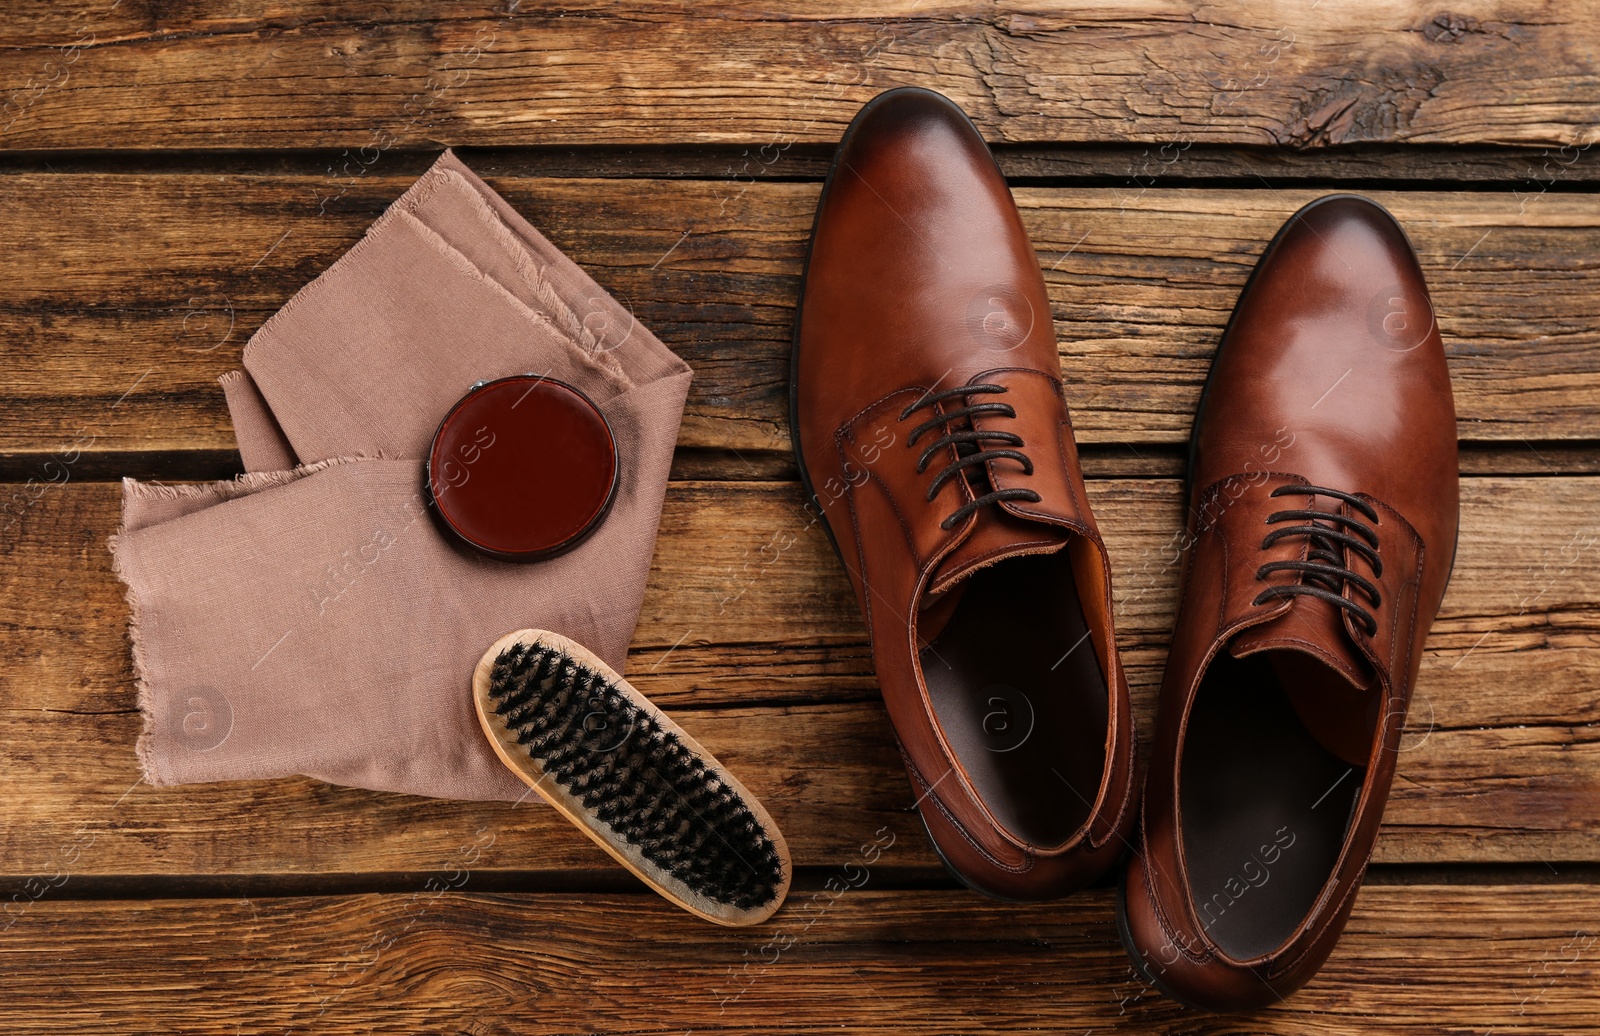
x,y
1264,808
1020,694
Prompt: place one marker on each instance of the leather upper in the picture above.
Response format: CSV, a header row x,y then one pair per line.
x,y
920,280
1331,374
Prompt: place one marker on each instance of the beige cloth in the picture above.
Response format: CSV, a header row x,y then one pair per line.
x,y
307,617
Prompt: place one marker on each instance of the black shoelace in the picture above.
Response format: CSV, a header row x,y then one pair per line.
x,y
970,450
1326,574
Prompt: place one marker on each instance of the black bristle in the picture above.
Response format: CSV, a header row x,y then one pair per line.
x,y
633,776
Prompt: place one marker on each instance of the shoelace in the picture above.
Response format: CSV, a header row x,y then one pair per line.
x,y
969,446
1326,574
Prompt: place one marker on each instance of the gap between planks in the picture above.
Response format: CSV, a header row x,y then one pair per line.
x,y
1535,459
606,879
1385,167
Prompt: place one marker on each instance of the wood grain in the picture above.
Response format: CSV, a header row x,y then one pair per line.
x,y
750,636
136,292
1417,959
265,74
171,173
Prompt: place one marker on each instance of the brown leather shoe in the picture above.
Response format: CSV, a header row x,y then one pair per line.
x,y
1322,518
929,423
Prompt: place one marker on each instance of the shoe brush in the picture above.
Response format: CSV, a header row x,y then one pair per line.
x,y
630,778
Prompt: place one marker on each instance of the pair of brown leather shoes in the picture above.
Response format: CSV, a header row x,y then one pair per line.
x,y
931,427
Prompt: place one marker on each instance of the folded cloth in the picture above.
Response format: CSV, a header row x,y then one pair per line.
x,y
308,617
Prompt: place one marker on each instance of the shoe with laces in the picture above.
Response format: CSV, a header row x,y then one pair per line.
x,y
931,429
1322,515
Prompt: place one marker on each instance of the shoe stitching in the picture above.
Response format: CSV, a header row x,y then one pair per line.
x,y
1127,781
861,567
930,795
1077,523
1416,596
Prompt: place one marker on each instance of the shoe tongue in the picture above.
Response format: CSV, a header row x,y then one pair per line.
x,y
997,535
1310,626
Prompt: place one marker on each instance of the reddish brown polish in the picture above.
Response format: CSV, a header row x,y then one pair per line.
x,y
522,468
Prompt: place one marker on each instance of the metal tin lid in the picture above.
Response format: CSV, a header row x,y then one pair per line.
x,y
522,468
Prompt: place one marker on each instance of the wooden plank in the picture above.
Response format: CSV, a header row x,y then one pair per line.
x,y
1420,959
750,635
262,75
137,291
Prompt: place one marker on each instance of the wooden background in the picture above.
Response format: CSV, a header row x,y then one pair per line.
x,y
173,172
